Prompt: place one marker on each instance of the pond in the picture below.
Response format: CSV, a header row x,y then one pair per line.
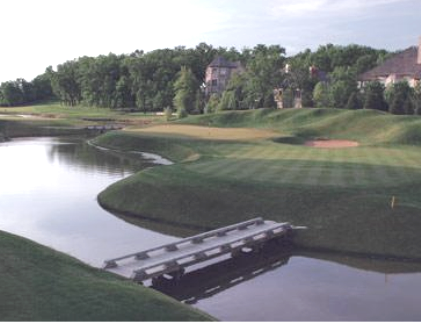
x,y
48,189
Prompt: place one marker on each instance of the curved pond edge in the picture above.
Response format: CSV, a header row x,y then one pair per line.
x,y
150,157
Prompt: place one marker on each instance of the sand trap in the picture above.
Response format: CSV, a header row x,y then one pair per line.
x,y
331,143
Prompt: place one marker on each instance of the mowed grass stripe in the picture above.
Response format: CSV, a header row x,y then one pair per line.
x,y
349,169
282,163
388,168
408,171
301,168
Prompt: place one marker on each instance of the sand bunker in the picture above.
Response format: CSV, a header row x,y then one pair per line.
x,y
331,143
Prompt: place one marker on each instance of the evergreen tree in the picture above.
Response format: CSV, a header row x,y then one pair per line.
x,y
374,96
409,107
417,99
399,96
321,95
354,102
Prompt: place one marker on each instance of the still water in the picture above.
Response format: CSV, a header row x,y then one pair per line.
x,y
48,190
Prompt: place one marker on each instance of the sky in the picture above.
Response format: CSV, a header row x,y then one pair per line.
x,y
36,34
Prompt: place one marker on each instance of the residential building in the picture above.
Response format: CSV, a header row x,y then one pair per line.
x,y
404,66
218,74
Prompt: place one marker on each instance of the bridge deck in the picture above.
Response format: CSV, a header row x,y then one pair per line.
x,y
180,254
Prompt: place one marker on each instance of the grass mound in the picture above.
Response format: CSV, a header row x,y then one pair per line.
x,y
39,284
371,127
341,219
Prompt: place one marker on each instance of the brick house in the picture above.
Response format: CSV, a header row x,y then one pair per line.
x,y
218,74
403,66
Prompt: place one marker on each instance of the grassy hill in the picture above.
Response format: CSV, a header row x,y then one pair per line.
x,y
366,126
39,284
342,195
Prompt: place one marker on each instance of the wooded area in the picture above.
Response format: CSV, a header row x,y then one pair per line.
x,y
173,79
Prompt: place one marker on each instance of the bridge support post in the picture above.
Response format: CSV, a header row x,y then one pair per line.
x,y
176,275
236,253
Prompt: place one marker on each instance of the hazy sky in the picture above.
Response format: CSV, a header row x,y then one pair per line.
x,y
39,33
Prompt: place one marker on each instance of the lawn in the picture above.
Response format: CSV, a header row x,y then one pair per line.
x,y
343,195
39,284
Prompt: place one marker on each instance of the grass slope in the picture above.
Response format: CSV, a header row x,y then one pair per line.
x,y
39,284
342,195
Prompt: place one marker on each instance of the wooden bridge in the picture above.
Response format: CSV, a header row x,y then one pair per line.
x,y
103,128
173,258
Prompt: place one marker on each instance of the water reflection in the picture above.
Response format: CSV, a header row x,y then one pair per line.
x,y
310,289
208,281
68,152
48,193
367,263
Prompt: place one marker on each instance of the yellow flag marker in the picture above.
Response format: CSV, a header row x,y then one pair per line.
x,y
394,201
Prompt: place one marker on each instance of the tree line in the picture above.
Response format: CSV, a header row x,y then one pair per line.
x,y
173,79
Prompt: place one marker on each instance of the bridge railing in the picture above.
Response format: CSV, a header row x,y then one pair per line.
x,y
228,246
111,263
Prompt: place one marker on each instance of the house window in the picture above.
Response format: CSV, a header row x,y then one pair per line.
x,y
214,82
223,71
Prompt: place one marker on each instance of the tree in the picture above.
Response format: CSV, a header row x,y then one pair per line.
x,y
321,95
354,102
264,73
399,97
11,93
408,106
374,96
65,83
212,104
288,98
185,88
343,84
417,99
228,101
42,87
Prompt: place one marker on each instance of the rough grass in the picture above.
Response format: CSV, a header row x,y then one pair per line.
x,y
342,195
39,284
367,126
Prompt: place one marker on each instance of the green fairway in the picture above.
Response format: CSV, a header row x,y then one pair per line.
x,y
343,194
341,167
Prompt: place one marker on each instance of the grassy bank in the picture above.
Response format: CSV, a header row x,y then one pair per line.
x,y
39,284
55,110
342,195
53,119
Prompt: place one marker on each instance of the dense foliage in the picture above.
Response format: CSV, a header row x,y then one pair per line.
x,y
173,79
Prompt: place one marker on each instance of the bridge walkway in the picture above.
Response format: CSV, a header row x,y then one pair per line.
x,y
174,257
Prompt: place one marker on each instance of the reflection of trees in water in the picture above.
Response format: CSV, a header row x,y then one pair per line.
x,y
365,262
172,229
78,153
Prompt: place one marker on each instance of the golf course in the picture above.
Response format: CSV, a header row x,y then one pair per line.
x,y
359,198
351,177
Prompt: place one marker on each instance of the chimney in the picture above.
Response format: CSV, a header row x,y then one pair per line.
x,y
419,52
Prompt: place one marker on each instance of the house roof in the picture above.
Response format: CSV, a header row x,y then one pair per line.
x,y
402,64
220,61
